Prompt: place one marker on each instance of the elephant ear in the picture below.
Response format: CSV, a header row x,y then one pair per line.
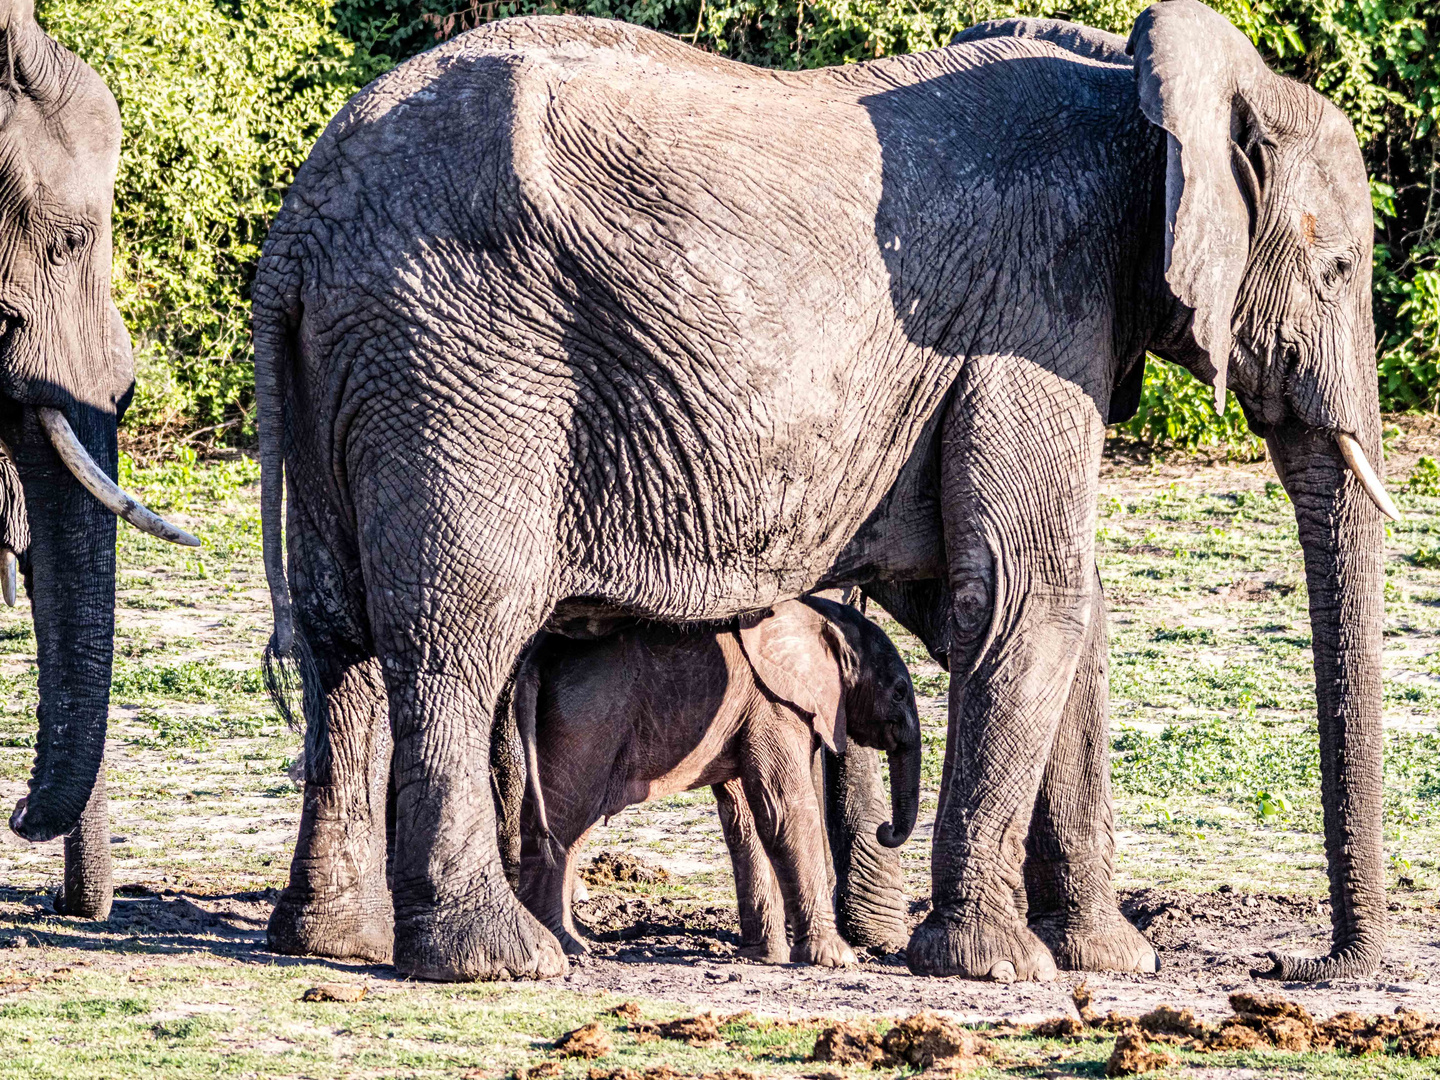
x,y
30,61
792,654
1201,80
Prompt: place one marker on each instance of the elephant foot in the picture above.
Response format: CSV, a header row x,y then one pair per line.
x,y
353,931
498,941
881,935
951,942
766,952
823,950
1103,942
84,903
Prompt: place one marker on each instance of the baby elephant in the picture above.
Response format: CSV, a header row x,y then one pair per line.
x,y
654,710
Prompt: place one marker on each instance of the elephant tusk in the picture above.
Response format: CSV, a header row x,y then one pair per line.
x,y
1359,464
78,460
9,570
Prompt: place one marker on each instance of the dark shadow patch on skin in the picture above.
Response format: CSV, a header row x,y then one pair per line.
x,y
1017,246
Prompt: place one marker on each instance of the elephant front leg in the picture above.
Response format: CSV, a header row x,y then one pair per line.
x,y
781,797
870,904
1070,851
336,903
757,893
1020,452
87,889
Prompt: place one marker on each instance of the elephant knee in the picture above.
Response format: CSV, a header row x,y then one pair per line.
x,y
971,614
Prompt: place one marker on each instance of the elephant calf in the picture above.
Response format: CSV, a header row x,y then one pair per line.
x,y
654,710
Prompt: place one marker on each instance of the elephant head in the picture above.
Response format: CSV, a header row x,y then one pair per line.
x,y
832,663
1267,247
64,379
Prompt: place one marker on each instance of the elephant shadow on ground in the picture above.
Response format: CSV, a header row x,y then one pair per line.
x,y
161,923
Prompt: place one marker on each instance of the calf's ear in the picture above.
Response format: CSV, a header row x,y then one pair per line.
x,y
791,654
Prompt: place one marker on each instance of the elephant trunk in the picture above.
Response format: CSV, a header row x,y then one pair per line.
x,y
904,787
1342,535
72,592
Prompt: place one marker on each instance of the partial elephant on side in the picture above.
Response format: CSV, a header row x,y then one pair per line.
x,y
650,334
650,711
63,388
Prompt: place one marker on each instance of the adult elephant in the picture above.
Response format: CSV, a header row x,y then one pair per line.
x,y
64,382
565,322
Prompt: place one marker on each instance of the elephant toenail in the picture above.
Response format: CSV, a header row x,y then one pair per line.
x,y
1151,964
1003,972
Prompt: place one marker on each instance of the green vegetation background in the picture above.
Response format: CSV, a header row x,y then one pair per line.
x,y
221,100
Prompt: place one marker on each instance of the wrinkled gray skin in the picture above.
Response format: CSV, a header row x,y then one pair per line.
x,y
60,137
86,888
654,710
565,322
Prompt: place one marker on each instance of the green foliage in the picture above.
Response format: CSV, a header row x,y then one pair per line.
x,y
1217,757
1424,478
188,681
1177,409
196,732
220,101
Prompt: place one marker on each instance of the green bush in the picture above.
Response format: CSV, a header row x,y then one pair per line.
x,y
220,101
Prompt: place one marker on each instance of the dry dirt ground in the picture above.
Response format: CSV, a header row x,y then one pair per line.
x,y
1219,857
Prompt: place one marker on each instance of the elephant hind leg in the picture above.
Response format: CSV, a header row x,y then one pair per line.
x,y
1071,847
757,893
337,902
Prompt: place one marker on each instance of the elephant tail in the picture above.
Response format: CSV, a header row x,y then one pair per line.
x,y
526,702
273,328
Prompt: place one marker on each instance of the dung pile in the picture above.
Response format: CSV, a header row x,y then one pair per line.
x,y
619,867
1260,1022
924,1041
589,1041
695,1030
1132,1055
665,1072
848,1043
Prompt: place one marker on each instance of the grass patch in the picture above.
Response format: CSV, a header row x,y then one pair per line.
x,y
191,681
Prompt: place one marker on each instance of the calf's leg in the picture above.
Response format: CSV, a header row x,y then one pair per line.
x,y
777,785
757,893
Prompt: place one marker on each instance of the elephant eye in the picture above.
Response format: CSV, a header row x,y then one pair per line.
x,y
69,243
1336,273
899,692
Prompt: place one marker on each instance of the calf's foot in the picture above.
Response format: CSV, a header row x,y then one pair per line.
x,y
823,950
964,942
356,929
766,952
1095,941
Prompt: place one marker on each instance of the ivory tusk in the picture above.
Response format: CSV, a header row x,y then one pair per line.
x,y
9,570
1360,465
79,462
